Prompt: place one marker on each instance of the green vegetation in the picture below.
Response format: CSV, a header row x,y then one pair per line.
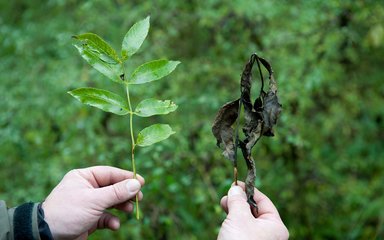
x,y
324,168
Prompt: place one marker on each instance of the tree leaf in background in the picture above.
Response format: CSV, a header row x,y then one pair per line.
x,y
152,71
153,134
102,99
222,129
134,38
150,107
99,55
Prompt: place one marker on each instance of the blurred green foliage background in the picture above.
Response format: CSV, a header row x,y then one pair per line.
x,y
324,169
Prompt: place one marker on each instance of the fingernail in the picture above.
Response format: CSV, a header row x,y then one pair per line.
x,y
133,185
235,190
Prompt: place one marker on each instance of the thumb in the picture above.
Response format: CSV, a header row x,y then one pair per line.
x,y
237,202
118,192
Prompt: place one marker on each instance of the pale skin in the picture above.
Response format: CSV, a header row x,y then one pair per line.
x,y
78,205
241,222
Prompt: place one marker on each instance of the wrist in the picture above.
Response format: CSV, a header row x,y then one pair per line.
x,y
49,220
44,229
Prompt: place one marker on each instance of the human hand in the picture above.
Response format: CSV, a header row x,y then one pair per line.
x,y
76,206
241,223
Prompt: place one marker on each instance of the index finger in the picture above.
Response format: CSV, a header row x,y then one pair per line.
x,y
267,209
101,176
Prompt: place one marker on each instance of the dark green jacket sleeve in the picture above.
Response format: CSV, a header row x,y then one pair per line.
x,y
20,222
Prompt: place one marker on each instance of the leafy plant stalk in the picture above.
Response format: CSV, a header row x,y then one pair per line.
x,y
101,56
133,147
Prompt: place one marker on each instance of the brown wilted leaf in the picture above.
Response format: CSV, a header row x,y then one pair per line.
x,y
272,107
253,119
259,119
271,112
222,128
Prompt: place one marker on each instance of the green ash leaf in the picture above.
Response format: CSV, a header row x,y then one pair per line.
x,y
153,134
152,71
102,99
134,38
98,44
99,55
150,107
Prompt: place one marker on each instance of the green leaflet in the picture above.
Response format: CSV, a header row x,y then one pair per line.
x,y
102,99
98,44
153,134
151,106
152,71
99,55
134,38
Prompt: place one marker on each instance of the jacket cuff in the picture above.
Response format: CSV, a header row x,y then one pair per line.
x,y
25,222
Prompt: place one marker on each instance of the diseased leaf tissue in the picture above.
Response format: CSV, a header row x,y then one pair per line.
x,y
259,119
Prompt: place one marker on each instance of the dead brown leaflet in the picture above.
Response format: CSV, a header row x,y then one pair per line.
x,y
259,119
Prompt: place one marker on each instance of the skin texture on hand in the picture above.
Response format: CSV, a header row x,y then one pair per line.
x,y
76,207
240,222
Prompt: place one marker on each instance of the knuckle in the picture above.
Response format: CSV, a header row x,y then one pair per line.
x,y
73,172
118,193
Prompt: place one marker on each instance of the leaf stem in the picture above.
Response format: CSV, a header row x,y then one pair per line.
x,y
133,146
131,130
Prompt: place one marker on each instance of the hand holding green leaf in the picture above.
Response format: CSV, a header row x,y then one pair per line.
x,y
102,57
